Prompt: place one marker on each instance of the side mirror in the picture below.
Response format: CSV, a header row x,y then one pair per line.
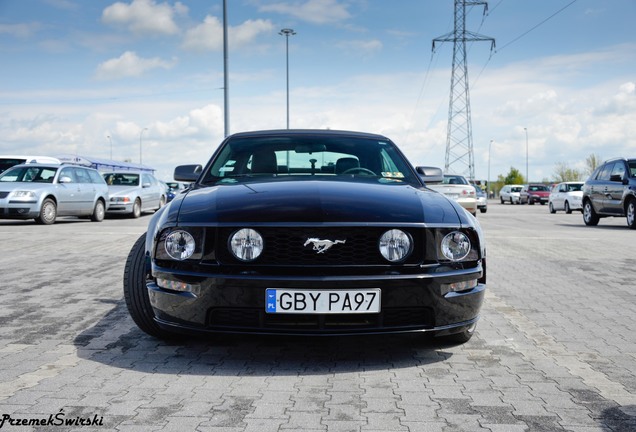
x,y
65,179
187,173
430,174
145,185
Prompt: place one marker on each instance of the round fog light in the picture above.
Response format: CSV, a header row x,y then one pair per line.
x,y
395,245
180,245
455,246
246,244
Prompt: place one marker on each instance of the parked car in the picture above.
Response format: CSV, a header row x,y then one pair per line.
x,y
44,191
534,193
482,199
611,191
312,232
173,189
7,161
132,193
566,196
511,194
457,188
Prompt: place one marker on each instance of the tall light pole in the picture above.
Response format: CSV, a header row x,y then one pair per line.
x,y
140,134
527,176
226,85
488,187
111,147
287,32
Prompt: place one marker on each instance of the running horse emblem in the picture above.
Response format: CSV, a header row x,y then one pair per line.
x,y
322,245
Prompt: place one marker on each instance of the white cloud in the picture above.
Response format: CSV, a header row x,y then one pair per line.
x,y
314,11
208,36
129,65
361,48
19,30
144,16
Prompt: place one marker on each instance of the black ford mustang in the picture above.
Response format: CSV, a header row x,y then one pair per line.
x,y
312,232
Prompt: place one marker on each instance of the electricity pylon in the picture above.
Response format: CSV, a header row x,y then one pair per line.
x,y
459,138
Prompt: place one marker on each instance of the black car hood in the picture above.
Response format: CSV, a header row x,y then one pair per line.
x,y
313,201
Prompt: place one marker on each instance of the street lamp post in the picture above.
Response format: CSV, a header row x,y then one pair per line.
x,y
226,85
527,176
111,147
287,32
140,134
488,186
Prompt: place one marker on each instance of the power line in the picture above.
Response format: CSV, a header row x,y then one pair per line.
x,y
536,26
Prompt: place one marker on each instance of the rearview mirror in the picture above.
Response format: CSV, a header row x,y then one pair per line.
x,y
310,148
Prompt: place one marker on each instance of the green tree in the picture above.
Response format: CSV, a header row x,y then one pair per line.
x,y
563,172
514,176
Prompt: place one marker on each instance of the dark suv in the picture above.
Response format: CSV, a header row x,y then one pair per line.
x,y
611,191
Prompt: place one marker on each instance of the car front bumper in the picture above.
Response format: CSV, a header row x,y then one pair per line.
x,y
19,209
237,304
120,208
537,200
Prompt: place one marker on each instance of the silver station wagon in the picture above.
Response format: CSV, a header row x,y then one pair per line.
x,y
45,191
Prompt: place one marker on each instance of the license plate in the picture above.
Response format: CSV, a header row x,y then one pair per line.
x,y
322,301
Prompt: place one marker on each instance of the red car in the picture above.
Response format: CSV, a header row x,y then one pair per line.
x,y
534,193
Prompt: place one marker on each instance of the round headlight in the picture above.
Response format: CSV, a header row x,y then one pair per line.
x,y
395,245
246,244
180,245
455,246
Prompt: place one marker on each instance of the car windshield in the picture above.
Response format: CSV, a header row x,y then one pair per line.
x,y
632,168
122,179
537,188
574,187
515,189
31,174
297,157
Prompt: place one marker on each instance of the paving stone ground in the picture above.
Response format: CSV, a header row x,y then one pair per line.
x,y
555,348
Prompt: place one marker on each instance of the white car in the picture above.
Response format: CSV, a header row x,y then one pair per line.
x,y
511,194
566,196
133,193
457,188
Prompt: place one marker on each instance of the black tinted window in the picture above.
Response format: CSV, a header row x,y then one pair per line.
x,y
605,172
309,156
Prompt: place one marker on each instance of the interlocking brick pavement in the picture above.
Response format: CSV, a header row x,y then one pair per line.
x,y
554,351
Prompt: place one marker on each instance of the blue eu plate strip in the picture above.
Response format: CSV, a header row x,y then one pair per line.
x,y
270,298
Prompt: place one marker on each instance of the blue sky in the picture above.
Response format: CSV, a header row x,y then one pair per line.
x,y
85,77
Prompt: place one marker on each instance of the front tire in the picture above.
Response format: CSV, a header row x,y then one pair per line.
x,y
589,214
136,211
136,272
98,212
551,208
568,210
48,212
631,213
